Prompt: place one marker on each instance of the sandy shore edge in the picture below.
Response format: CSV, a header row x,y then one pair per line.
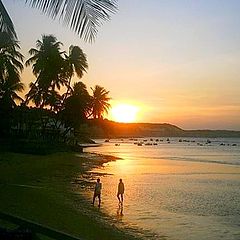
x,y
43,189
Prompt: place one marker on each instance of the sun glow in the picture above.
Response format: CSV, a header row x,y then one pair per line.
x,y
124,113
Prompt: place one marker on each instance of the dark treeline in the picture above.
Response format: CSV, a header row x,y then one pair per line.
x,y
54,108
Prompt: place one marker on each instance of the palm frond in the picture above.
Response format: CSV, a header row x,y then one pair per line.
x,y
16,97
82,16
6,24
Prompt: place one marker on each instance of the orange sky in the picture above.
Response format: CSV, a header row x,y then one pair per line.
x,y
177,61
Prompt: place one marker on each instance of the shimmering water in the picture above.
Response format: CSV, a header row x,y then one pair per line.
x,y
178,190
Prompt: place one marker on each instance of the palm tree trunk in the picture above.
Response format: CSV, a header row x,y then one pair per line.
x,y
68,88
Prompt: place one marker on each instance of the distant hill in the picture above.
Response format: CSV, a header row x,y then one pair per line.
x,y
110,129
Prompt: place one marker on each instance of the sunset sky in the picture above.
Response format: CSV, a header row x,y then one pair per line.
x,y
176,61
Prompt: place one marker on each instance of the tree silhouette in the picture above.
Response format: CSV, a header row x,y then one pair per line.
x,y
10,68
77,106
76,62
10,83
100,101
49,68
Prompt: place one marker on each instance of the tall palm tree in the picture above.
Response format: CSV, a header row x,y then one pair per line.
x,y
76,62
100,101
46,60
48,66
82,16
10,68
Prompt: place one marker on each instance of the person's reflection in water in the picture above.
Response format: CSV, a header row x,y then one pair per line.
x,y
120,210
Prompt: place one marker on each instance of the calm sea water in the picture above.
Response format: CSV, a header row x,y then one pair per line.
x,y
187,190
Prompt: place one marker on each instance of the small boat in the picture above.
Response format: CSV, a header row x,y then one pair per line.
x,y
148,144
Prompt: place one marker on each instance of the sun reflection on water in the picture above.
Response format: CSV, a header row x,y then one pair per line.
x,y
172,186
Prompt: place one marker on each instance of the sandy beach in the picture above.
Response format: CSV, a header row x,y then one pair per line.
x,y
173,191
47,190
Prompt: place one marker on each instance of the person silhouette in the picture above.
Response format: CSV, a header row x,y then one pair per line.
x,y
120,191
97,192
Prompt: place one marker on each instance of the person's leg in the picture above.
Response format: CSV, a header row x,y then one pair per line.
x,y
122,197
99,200
94,196
118,197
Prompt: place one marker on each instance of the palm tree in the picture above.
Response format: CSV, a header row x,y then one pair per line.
x,y
10,68
48,66
82,16
34,94
77,106
100,101
10,83
54,100
76,62
41,98
8,94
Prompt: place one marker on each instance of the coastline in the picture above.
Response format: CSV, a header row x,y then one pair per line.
x,y
45,189
187,190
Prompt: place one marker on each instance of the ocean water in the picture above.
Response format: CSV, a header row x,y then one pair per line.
x,y
187,190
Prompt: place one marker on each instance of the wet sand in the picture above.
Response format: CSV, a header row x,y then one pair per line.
x,y
48,190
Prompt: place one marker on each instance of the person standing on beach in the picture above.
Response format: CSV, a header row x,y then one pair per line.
x,y
120,191
97,192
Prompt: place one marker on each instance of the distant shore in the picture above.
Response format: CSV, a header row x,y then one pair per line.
x,y
43,189
111,129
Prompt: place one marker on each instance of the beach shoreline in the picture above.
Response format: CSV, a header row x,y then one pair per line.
x,y
45,189
180,190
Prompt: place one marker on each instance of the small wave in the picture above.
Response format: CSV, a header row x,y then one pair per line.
x,y
188,159
204,160
191,173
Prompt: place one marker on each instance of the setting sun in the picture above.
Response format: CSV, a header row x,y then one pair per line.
x,y
124,113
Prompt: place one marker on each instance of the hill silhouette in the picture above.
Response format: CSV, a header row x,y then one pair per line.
x,y
111,129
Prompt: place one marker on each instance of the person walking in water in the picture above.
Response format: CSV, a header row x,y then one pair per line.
x,y
97,192
120,191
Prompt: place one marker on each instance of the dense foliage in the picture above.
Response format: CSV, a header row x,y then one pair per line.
x,y
53,108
